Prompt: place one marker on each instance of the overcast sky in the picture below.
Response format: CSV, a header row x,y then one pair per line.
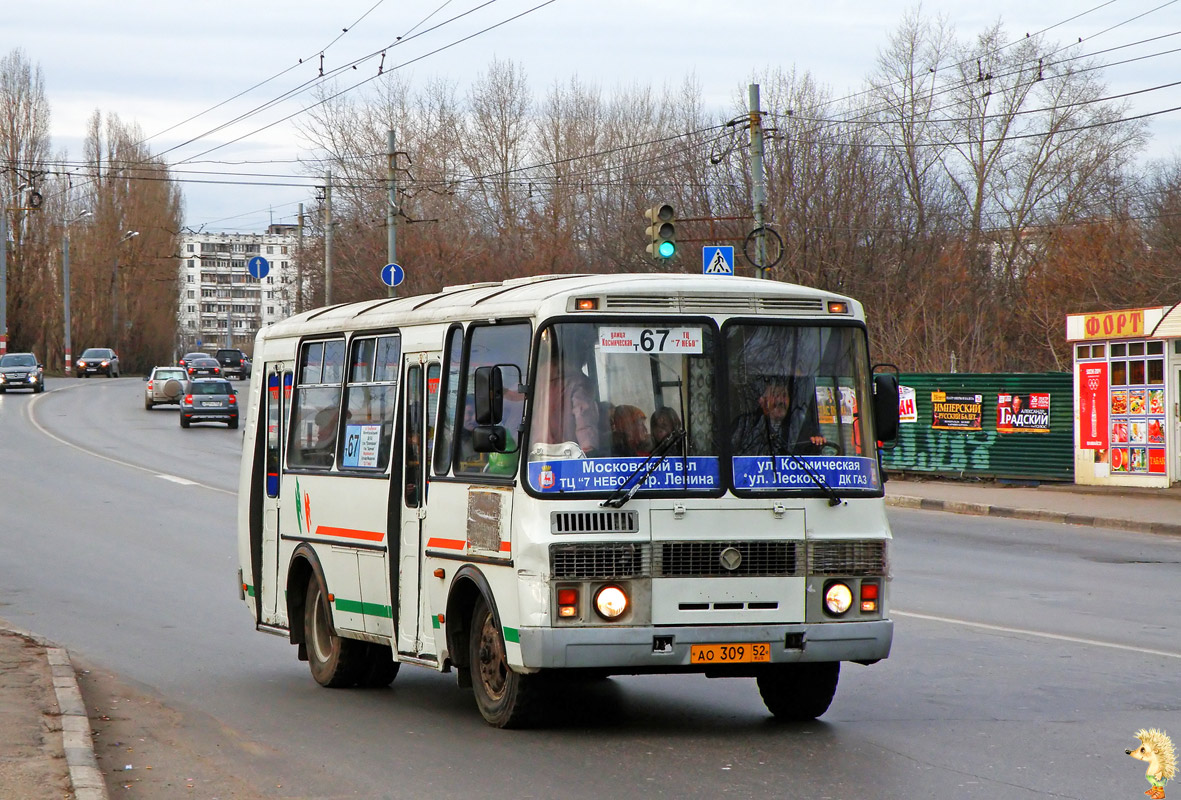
x,y
158,64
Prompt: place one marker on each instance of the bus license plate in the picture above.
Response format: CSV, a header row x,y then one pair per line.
x,y
746,653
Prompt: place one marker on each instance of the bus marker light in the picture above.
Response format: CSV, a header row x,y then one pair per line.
x,y
439,573
586,304
568,602
869,596
838,307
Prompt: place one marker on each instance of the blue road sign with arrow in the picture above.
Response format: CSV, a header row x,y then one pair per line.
x,y
259,267
392,274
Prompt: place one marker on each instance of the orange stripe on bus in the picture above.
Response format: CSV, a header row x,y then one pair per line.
x,y
349,533
505,547
447,544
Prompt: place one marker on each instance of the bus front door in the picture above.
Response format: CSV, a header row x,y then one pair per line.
x,y
420,404
272,424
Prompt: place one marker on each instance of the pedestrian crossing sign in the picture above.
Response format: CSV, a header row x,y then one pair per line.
x,y
716,260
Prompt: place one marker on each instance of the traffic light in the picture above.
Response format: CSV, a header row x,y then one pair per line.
x,y
662,233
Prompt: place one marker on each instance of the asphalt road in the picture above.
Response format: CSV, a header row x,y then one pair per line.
x,y
1025,655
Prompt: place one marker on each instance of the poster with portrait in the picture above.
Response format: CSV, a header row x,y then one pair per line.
x,y
951,411
1023,413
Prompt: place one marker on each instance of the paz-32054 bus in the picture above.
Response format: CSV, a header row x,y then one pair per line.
x,y
572,475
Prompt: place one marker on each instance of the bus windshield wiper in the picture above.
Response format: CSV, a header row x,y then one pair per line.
x,y
640,474
833,498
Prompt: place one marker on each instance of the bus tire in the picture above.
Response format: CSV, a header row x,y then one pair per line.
x,y
379,669
335,661
506,699
799,692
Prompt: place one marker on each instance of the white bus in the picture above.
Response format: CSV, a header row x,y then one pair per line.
x,y
572,475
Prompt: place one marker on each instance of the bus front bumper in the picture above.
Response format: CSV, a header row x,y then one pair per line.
x,y
651,649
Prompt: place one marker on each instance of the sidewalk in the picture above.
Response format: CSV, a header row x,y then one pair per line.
x,y
1131,508
46,747
46,750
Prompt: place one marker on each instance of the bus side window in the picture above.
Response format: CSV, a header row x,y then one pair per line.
x,y
316,407
449,392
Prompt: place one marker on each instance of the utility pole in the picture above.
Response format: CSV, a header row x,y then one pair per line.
x,y
758,179
298,306
4,278
391,210
66,286
328,240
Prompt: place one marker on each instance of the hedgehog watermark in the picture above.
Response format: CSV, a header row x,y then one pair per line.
x,y
1157,749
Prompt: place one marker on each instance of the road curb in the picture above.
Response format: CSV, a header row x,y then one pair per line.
x,y
1038,514
77,740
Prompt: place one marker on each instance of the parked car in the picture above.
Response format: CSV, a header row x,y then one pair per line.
x,y
98,360
203,367
209,400
21,371
187,357
165,385
234,362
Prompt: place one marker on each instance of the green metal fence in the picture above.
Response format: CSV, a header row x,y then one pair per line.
x,y
987,453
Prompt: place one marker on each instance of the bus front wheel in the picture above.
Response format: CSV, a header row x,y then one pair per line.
x,y
799,692
506,699
334,661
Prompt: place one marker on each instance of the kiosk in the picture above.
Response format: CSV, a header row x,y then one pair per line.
x,y
1127,386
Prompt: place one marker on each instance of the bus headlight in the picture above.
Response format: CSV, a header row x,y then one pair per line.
x,y
610,602
837,598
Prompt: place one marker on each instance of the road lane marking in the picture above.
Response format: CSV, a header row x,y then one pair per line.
x,y
1041,634
28,411
176,479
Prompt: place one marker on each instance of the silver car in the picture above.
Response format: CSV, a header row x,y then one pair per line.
x,y
165,385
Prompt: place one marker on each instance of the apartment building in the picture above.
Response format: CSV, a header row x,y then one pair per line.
x,y
221,303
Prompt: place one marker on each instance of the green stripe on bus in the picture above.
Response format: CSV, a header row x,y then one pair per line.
x,y
249,590
435,621
512,635
368,609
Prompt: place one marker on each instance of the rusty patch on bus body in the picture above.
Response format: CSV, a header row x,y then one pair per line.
x,y
483,520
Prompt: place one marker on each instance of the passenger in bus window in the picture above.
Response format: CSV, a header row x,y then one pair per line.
x,y
629,432
665,421
776,426
571,409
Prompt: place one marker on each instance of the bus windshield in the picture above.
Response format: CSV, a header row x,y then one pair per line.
x,y
762,407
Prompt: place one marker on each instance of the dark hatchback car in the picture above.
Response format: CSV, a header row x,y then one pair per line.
x,y
187,357
98,361
21,371
203,367
209,400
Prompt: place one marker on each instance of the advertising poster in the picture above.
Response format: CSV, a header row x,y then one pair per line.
x,y
956,412
908,407
1092,407
1023,413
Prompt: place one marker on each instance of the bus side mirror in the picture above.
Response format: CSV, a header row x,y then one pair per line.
x,y
489,395
490,439
885,406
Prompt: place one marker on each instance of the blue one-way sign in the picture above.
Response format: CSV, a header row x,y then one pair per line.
x,y
717,260
392,274
259,267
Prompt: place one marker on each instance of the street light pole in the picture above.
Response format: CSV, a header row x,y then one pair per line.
x,y
115,290
66,286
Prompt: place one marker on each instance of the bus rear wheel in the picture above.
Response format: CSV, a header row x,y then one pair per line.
x,y
505,698
799,692
334,661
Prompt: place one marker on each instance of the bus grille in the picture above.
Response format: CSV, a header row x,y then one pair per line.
x,y
594,522
599,560
847,558
710,559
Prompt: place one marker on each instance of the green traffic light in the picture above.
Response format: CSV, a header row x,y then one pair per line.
x,y
667,249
